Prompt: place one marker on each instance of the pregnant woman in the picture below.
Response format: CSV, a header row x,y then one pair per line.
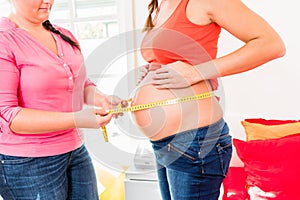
x,y
191,141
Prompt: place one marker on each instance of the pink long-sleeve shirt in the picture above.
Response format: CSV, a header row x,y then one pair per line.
x,y
31,76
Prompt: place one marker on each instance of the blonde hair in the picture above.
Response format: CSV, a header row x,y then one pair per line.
x,y
153,5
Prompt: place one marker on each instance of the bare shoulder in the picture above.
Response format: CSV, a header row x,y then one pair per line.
x,y
239,20
209,5
198,11
221,8
210,10
199,3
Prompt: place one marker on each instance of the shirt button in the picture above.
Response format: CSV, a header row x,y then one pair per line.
x,y
70,78
61,55
65,65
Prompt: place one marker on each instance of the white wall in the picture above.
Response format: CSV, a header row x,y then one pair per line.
x,y
270,91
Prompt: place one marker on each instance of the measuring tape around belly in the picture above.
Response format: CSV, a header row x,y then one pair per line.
x,y
156,104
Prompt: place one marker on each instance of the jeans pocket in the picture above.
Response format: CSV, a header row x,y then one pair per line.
x,y
216,161
14,160
181,151
175,155
224,148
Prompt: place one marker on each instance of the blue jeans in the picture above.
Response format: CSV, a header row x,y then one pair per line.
x,y
67,176
191,165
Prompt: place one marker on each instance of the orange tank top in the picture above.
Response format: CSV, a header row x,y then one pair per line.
x,y
178,39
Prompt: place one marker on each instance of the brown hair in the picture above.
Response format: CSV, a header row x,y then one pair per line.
x,y
48,26
151,8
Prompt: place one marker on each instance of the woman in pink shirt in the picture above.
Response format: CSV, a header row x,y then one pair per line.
x,y
43,87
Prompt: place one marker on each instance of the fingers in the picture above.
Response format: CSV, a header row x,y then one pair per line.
x,y
103,117
104,120
162,70
160,82
168,78
92,118
124,103
115,100
143,73
144,69
101,112
166,86
161,76
154,66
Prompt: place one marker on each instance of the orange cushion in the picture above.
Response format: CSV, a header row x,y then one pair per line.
x,y
261,129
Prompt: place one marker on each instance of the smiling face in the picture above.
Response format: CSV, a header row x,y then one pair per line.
x,y
34,11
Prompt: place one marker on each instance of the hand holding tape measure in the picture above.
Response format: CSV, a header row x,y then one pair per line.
x,y
165,102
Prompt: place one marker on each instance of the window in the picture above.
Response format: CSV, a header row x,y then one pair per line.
x,y
4,8
92,21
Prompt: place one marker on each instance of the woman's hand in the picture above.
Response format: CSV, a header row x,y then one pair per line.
x,y
176,75
92,118
109,102
94,97
98,116
145,69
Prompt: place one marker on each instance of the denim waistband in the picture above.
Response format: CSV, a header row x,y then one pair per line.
x,y
214,130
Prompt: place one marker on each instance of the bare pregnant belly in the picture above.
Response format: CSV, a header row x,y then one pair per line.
x,y
160,122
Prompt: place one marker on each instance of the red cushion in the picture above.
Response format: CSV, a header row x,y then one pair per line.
x,y
270,121
272,165
234,184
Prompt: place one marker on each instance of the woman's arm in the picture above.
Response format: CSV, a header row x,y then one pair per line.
x,y
92,96
29,121
262,44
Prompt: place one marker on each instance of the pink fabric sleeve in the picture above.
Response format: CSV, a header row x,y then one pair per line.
x,y
9,81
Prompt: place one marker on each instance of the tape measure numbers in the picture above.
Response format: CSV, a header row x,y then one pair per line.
x,y
162,103
156,104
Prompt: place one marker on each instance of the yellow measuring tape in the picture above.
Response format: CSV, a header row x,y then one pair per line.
x,y
160,103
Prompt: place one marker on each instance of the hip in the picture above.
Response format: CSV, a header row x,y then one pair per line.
x,y
197,151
